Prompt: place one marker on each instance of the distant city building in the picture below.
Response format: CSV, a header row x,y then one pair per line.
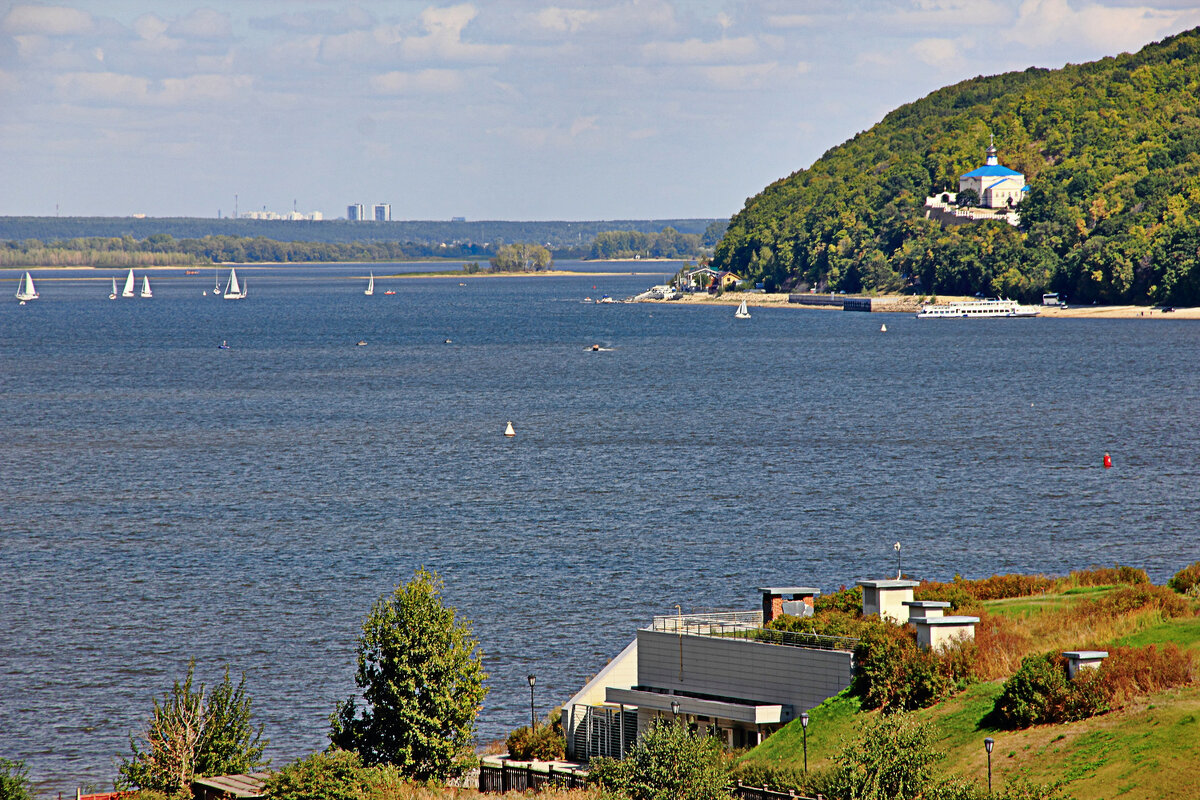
x,y
997,186
458,219
382,212
290,215
355,212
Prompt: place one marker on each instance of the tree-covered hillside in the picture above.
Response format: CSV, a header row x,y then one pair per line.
x,y
1111,150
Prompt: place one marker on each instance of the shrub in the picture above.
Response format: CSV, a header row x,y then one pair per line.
x,y
1015,789
892,758
1000,587
545,744
957,594
848,601
667,763
333,775
1135,598
1132,671
1187,579
14,781
1108,576
1034,695
894,674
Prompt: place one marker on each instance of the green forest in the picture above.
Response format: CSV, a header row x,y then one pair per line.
x,y
1110,149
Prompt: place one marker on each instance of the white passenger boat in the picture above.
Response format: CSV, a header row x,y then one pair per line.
x,y
970,309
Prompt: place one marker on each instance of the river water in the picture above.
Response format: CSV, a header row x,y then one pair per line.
x,y
163,499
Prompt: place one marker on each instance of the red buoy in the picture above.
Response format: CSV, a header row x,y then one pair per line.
x,y
1107,461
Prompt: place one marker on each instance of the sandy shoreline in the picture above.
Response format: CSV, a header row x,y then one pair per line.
x,y
761,300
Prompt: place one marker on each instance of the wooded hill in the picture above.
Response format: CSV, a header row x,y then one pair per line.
x,y
1111,150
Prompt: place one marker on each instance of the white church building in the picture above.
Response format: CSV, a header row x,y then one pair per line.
x,y
996,185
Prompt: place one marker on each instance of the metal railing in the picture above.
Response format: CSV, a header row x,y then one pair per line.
x,y
746,625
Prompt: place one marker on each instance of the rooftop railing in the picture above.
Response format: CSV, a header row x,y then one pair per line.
x,y
746,625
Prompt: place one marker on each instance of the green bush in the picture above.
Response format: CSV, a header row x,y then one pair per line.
x,y
1035,694
667,763
546,744
14,781
956,594
893,674
1187,579
892,758
1108,576
848,601
1014,789
334,775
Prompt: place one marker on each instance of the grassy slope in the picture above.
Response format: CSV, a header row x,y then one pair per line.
x,y
1151,750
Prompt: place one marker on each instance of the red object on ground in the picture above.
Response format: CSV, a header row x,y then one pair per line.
x,y
1107,461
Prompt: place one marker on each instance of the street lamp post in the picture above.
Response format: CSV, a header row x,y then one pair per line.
x,y
532,715
899,574
675,712
804,728
988,744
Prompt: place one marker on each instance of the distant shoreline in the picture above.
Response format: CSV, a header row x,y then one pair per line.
x,y
778,300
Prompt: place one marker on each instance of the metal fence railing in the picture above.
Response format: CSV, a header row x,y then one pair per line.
x,y
527,778
746,625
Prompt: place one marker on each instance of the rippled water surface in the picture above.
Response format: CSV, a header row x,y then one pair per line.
x,y
163,499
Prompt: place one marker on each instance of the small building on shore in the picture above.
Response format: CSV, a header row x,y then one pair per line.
x,y
996,186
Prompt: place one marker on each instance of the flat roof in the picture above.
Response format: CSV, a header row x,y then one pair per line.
x,y
789,590
926,603
1085,654
896,583
951,621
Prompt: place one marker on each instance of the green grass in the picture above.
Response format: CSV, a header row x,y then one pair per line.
x,y
1184,632
836,719
1043,603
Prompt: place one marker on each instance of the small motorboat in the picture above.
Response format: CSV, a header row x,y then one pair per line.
x,y
390,291
361,343
224,345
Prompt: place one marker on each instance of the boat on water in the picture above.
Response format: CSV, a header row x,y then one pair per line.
x,y
224,345
233,289
742,312
216,283
390,291
113,296
26,289
146,287
370,286
970,309
129,281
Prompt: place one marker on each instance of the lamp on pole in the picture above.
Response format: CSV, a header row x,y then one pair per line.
x,y
675,711
899,574
988,744
532,715
804,728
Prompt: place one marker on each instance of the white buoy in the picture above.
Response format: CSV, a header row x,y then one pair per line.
x,y
508,431
883,328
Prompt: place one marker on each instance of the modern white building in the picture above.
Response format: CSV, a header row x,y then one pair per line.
x,y
355,212
997,186
382,212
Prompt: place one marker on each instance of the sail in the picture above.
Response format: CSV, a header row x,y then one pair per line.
x,y
233,289
146,286
370,286
742,312
113,296
25,289
128,290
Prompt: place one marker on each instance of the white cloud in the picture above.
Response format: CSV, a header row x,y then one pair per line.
x,y
111,88
47,20
426,81
565,20
931,15
1041,23
582,124
790,20
443,39
741,76
696,51
938,53
203,23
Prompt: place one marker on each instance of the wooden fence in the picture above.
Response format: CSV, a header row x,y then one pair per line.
x,y
509,778
743,792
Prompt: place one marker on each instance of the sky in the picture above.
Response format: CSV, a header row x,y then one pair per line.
x,y
492,109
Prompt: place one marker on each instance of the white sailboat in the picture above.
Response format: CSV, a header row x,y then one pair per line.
x,y
216,283
25,288
742,312
113,296
128,290
146,287
233,289
370,286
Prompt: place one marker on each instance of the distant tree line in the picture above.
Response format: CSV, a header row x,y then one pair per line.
x,y
668,243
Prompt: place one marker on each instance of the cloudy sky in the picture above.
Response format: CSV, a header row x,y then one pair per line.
x,y
491,109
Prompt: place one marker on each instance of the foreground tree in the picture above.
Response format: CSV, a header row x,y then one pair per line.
x,y
190,734
421,677
14,781
668,762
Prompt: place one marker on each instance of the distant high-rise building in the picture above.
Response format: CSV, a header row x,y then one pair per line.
x,y
355,212
383,212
